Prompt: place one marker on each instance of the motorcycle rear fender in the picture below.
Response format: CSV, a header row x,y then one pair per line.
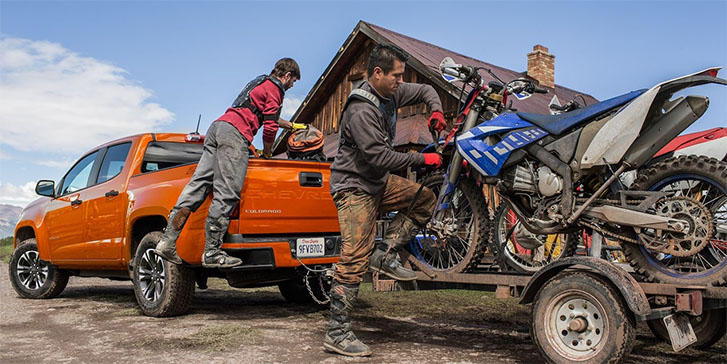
x,y
615,138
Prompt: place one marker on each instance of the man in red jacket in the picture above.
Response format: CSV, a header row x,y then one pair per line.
x,y
223,164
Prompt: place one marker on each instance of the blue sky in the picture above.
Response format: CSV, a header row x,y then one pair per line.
x,y
75,74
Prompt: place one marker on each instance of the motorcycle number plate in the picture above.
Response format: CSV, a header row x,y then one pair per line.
x,y
310,247
680,330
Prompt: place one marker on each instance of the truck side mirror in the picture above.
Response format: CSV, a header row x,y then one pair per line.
x,y
46,188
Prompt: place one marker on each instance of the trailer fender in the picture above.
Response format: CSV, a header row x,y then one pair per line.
x,y
627,285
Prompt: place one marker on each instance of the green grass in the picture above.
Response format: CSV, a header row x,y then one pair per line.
x,y
6,249
452,305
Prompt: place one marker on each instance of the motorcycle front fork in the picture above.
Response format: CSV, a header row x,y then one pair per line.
x,y
452,175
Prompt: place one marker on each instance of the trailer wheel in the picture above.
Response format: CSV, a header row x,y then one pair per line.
x,y
161,288
709,327
580,318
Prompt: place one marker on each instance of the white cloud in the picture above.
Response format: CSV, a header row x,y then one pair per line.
x,y
290,106
17,195
63,164
55,100
3,155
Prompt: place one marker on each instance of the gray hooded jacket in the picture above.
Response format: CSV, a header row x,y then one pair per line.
x,y
372,131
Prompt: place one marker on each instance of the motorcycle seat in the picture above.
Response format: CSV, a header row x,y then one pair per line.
x,y
557,124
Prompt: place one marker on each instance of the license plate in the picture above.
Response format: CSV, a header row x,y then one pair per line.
x,y
680,331
310,247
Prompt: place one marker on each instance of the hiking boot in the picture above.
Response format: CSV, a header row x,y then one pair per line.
x,y
339,338
213,256
389,264
167,246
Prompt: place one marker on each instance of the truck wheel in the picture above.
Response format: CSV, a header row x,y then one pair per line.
x,y
580,318
162,289
32,277
295,290
709,327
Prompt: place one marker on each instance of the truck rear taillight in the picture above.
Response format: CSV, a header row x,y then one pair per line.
x,y
194,138
235,214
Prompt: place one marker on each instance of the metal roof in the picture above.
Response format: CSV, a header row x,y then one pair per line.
x,y
424,58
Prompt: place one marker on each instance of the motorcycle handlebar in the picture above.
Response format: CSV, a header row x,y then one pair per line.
x,y
540,90
558,108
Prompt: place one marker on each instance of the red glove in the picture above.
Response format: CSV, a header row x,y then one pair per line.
x,y
436,121
432,159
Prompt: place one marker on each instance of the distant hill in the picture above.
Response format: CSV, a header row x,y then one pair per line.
x,y
9,215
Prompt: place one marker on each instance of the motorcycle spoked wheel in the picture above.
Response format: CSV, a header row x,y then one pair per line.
x,y
512,256
705,180
464,252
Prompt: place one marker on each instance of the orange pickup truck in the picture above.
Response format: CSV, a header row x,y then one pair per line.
x,y
106,214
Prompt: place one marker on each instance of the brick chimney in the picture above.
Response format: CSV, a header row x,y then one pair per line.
x,y
541,66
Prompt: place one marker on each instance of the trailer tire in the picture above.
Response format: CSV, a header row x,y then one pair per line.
x,y
162,289
597,323
709,327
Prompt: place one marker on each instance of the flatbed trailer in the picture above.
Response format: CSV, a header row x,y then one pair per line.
x,y
585,309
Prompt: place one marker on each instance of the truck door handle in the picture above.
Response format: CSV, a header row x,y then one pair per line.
x,y
310,179
76,202
112,193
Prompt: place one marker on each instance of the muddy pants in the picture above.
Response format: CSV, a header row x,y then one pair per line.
x,y
221,170
357,212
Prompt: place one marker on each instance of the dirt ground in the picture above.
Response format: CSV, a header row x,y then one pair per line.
x,y
97,321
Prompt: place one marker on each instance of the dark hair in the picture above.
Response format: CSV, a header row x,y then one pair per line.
x,y
382,56
285,65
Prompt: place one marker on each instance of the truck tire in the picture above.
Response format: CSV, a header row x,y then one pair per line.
x,y
162,289
295,290
32,277
709,327
580,318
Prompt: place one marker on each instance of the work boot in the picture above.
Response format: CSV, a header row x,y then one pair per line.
x,y
213,256
339,338
401,230
167,246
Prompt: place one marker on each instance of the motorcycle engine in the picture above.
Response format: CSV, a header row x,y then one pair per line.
x,y
543,181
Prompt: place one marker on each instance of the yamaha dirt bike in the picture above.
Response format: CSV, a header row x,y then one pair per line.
x,y
522,251
560,174
456,238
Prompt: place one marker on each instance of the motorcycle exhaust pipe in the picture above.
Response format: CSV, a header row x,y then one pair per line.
x,y
663,130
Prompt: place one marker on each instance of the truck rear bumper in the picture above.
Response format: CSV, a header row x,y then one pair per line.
x,y
278,251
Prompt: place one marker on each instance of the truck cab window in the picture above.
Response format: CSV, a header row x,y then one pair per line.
x,y
113,162
78,177
161,155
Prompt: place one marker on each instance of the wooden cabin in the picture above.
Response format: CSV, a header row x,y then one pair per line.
x,y
322,106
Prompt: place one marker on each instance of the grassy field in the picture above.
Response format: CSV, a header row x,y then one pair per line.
x,y
6,248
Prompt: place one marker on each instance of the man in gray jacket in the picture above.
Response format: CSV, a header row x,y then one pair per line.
x,y
362,186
